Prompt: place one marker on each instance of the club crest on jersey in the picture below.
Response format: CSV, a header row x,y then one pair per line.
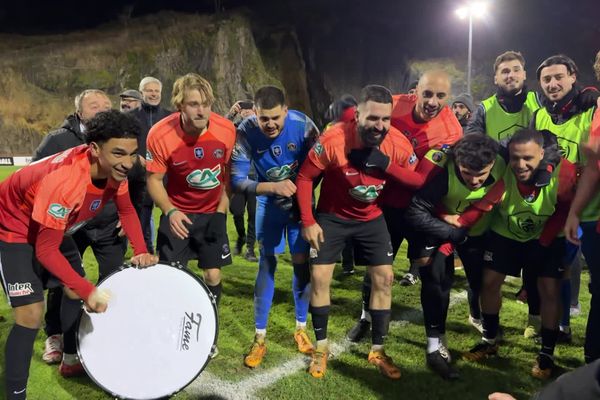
x,y
204,179
58,210
218,153
277,174
318,148
95,205
199,152
291,146
366,193
413,159
277,151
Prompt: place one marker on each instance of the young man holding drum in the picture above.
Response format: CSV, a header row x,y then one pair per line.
x,y
45,201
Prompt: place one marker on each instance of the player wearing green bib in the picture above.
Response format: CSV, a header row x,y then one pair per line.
x,y
568,113
511,108
467,176
523,235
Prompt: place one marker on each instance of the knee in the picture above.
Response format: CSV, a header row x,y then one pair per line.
x,y
383,280
212,276
30,316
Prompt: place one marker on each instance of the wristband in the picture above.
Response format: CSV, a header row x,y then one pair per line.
x,y
171,211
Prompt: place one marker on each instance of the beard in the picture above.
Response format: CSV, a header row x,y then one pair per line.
x,y
371,137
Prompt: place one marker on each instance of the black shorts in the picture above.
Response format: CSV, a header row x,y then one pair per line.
x,y
209,254
23,277
507,256
370,239
421,246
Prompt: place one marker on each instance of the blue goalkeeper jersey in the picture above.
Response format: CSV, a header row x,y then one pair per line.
x,y
273,159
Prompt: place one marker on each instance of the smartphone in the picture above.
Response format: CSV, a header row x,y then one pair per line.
x,y
246,105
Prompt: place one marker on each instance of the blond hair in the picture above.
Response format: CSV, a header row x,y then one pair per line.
x,y
189,82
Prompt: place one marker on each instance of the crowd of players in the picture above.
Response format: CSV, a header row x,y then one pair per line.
x,y
496,184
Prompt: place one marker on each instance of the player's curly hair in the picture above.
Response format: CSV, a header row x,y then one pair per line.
x,y
111,124
475,151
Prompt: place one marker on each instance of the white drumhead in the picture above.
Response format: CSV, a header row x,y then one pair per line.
x,y
156,336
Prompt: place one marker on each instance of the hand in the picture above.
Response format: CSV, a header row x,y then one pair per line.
x,y
234,110
216,227
451,220
121,232
313,235
591,150
500,396
369,157
571,229
98,301
144,260
177,224
285,188
245,113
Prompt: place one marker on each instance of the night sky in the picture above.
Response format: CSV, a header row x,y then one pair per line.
x,y
420,29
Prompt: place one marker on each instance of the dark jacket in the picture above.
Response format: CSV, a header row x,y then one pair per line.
x,y
67,136
581,384
147,116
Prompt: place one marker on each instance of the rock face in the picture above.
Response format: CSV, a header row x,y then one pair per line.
x,y
40,76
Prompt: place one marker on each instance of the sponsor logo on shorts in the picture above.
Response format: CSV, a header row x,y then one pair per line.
x,y
291,146
95,205
199,152
277,151
366,193
287,171
19,289
390,253
429,247
58,210
149,155
318,148
190,330
313,253
488,256
218,153
204,179
226,251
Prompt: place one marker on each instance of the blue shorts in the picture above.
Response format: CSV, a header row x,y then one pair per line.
x,y
273,225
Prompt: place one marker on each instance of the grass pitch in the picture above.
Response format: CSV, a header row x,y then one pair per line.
x,y
282,374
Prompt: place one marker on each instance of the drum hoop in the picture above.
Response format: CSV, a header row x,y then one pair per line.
x,y
182,268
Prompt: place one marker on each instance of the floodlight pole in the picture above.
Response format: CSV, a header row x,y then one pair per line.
x,y
470,51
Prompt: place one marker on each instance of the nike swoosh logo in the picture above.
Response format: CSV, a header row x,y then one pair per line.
x,y
224,256
429,247
349,173
179,163
390,253
369,165
20,391
262,151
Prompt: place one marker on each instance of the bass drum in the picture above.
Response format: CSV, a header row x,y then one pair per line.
x,y
156,335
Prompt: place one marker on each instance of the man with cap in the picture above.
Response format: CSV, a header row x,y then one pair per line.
x,y
130,100
463,108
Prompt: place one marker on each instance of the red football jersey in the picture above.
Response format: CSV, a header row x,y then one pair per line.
x,y
50,193
346,191
196,167
442,130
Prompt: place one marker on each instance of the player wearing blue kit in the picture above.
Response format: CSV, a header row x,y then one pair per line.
x,y
276,142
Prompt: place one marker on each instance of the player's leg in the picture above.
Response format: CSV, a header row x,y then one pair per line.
x,y
300,285
23,287
335,232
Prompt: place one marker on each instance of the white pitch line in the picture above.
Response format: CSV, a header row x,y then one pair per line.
x,y
208,384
